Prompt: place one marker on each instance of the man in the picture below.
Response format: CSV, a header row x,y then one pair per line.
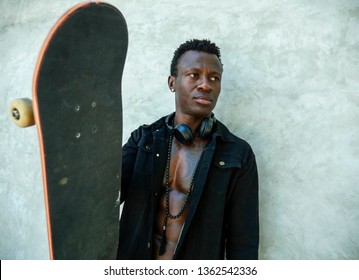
x,y
189,185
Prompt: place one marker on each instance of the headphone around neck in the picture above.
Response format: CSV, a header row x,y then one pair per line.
x,y
184,134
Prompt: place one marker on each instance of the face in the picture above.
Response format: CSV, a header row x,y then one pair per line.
x,y
197,84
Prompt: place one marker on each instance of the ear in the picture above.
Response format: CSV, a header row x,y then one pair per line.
x,y
171,83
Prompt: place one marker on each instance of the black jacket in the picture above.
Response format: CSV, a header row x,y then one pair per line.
x,y
222,221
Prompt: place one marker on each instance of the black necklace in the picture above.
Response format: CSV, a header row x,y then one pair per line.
x,y
189,191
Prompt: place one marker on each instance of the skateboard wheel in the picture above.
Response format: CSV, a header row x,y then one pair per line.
x,y
21,112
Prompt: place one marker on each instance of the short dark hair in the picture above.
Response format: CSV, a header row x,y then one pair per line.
x,y
194,45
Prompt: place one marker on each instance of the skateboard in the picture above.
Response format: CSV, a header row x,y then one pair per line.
x,y
77,109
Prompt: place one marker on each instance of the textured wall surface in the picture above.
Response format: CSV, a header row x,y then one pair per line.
x,y
290,88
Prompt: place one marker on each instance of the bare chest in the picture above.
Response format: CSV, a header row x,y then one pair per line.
x,y
183,165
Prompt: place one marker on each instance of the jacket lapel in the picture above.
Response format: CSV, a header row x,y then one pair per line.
x,y
203,169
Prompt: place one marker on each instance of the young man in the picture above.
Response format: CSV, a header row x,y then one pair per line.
x,y
189,185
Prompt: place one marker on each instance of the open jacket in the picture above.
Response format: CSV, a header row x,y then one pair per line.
x,y
222,221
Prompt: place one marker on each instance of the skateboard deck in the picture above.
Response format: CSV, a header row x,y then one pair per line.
x,y
78,112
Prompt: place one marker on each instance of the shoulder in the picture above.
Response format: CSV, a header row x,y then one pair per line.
x,y
146,130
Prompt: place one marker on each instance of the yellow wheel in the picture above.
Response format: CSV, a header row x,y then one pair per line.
x,y
21,112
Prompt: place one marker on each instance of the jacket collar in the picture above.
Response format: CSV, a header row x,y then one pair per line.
x,y
222,132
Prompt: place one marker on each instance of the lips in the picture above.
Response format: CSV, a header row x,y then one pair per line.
x,y
203,100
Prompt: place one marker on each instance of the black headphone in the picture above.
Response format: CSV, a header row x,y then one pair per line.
x,y
184,134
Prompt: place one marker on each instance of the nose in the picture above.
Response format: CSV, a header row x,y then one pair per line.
x,y
204,85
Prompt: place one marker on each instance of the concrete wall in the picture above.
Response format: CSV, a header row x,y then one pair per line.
x,y
290,88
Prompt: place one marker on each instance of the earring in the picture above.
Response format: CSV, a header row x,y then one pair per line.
x,y
172,89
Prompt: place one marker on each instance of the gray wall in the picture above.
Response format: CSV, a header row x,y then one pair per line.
x,y
290,88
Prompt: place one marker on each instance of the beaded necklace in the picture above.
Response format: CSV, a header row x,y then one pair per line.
x,y
189,191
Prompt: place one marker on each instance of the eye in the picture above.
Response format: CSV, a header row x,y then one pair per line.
x,y
215,79
193,75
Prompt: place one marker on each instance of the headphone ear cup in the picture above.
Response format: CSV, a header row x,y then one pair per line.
x,y
206,128
183,134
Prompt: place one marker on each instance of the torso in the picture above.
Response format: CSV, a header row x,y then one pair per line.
x,y
182,167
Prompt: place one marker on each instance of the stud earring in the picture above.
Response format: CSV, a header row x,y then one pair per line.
x,y
172,89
